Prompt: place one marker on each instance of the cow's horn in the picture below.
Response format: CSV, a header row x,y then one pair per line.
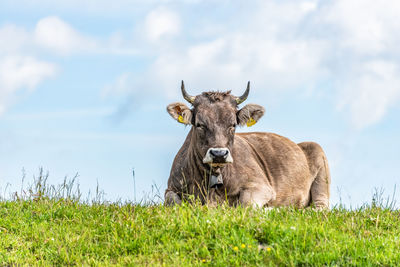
x,y
242,98
186,96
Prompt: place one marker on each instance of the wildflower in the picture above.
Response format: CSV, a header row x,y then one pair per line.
x,y
264,247
235,248
243,246
203,260
208,221
292,227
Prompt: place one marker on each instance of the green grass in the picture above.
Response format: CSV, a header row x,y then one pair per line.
x,y
39,229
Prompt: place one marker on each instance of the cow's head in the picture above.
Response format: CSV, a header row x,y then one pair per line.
x,y
214,117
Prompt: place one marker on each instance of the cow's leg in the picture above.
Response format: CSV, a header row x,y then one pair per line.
x,y
172,198
257,196
321,177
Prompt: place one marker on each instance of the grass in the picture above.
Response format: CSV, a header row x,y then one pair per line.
x,y
49,225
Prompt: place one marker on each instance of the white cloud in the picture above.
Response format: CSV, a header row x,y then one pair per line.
x,y
18,72
228,58
281,46
12,38
161,22
19,67
19,49
53,33
308,6
232,60
291,45
365,43
366,26
373,89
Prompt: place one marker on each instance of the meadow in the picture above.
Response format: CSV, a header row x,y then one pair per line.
x,y
52,225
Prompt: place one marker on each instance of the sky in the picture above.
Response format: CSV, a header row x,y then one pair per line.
x,y
84,86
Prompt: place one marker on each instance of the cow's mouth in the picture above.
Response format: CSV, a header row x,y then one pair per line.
x,y
217,165
217,157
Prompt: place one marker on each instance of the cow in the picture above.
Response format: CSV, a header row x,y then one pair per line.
x,y
260,169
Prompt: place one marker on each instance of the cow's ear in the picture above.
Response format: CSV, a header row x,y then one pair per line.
x,y
250,114
180,112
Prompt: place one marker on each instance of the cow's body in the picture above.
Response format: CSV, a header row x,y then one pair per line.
x,y
267,170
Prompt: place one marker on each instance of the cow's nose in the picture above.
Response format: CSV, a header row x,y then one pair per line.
x,y
219,153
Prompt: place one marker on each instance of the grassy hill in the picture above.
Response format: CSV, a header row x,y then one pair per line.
x,y
51,226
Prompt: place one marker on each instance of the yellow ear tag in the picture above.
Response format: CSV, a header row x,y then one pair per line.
x,y
250,122
180,119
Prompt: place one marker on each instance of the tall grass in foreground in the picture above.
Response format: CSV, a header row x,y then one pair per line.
x,y
52,225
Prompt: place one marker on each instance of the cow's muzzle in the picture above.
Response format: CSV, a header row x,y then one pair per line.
x,y
217,156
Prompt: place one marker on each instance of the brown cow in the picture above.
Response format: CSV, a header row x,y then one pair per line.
x,y
260,169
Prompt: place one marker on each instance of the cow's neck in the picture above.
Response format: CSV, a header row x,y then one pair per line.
x,y
198,170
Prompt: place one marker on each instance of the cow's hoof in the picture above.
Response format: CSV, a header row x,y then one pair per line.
x,y
267,209
321,207
172,198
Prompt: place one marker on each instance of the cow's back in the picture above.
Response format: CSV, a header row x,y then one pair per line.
x,y
281,162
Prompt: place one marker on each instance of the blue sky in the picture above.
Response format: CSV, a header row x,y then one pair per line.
x,y
84,85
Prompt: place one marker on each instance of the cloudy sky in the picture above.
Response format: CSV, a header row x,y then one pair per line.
x,y
84,85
